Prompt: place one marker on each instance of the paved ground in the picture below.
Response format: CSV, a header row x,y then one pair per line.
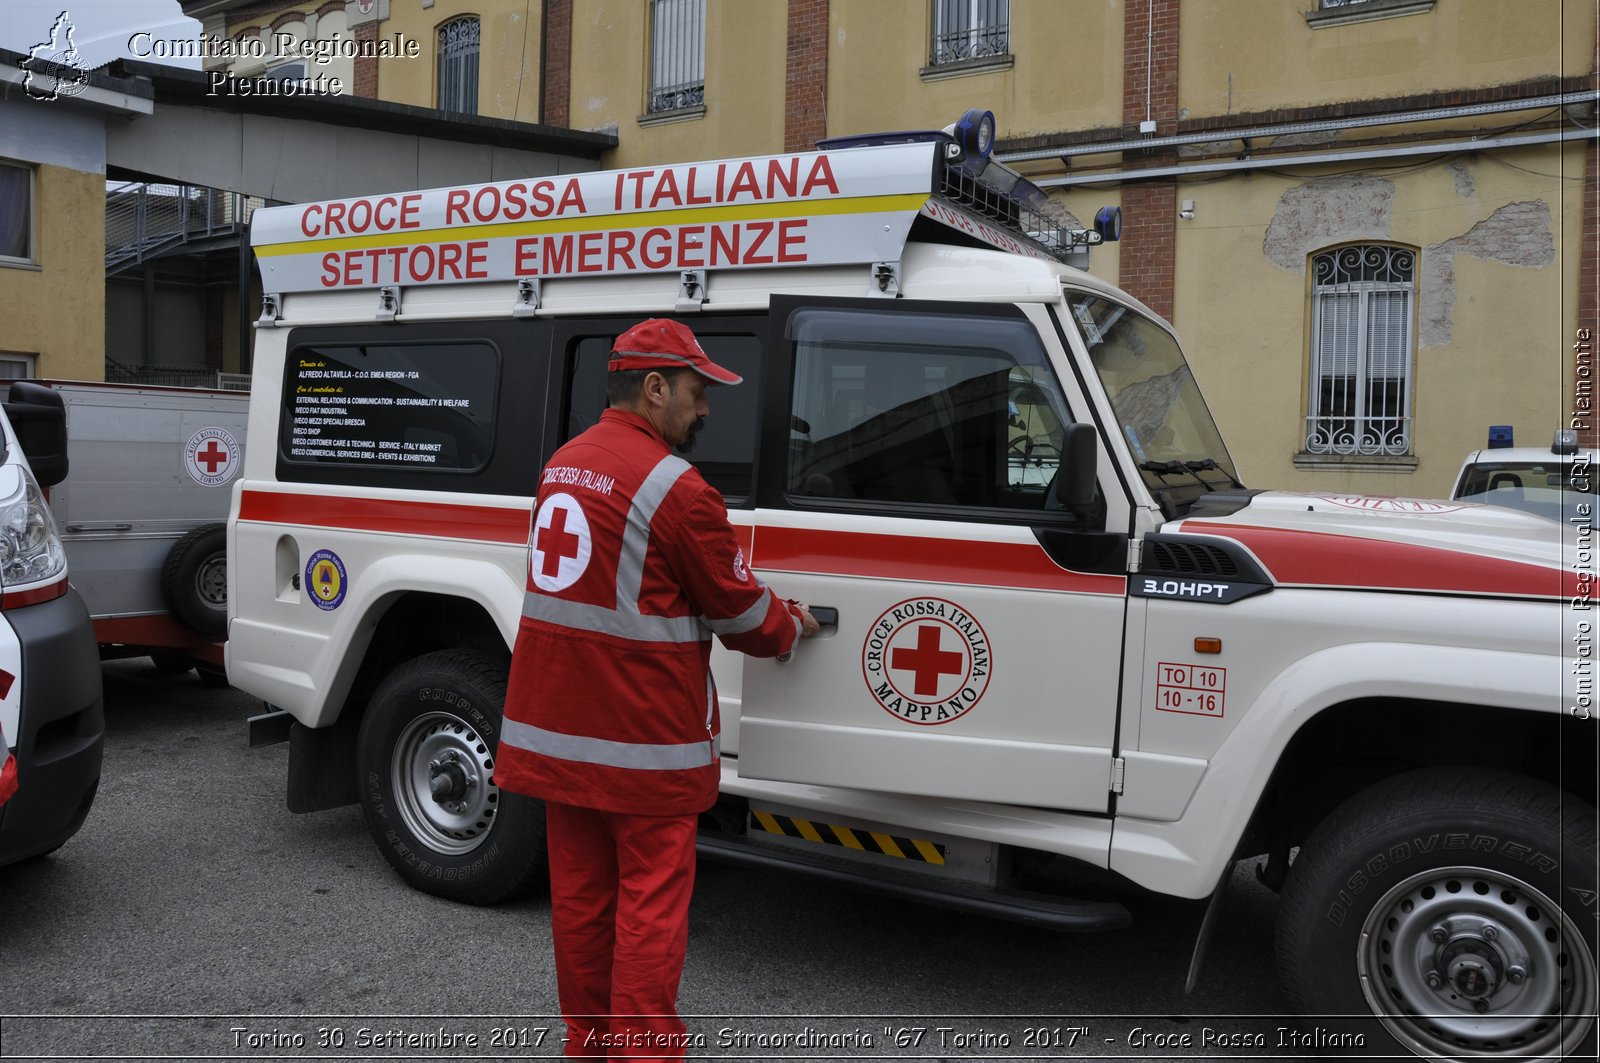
x,y
192,891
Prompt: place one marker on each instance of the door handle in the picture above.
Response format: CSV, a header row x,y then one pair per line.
x,y
826,617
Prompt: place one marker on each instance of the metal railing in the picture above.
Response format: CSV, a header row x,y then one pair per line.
x,y
965,30
1385,435
143,219
175,376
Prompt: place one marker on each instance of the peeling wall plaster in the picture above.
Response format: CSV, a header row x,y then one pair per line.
x,y
1328,210
1518,234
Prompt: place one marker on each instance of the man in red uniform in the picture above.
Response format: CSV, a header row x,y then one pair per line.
x,y
611,712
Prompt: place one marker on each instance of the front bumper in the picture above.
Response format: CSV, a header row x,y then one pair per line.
x,y
62,727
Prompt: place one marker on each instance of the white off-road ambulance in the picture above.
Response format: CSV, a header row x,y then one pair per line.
x,y
1056,625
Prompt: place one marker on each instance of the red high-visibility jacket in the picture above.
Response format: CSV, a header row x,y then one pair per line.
x,y
632,567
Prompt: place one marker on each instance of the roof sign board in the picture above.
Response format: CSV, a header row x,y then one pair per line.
x,y
811,208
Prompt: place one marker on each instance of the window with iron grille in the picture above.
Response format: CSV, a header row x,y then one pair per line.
x,y
458,65
677,55
970,29
1361,344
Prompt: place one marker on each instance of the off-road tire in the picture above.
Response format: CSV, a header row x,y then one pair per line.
x,y
194,580
1448,913
438,717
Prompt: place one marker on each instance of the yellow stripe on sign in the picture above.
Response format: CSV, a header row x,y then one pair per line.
x,y
604,222
886,843
768,824
930,853
808,832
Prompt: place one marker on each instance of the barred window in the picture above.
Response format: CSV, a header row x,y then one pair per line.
x,y
970,29
1361,338
677,55
458,65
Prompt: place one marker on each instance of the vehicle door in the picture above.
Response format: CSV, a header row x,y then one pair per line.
x,y
908,484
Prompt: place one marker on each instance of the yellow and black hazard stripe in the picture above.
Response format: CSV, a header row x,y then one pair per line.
x,y
862,841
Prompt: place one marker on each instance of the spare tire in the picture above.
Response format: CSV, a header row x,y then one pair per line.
x,y
194,580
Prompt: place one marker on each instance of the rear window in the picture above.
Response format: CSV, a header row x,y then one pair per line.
x,y
1553,489
419,407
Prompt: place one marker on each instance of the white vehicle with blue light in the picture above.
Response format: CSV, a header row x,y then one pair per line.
x,y
1557,482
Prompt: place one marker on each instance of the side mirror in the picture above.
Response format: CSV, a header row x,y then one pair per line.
x,y
40,421
1075,480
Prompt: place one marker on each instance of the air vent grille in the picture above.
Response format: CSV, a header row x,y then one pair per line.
x,y
1188,559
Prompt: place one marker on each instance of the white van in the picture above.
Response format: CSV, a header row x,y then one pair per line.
x,y
52,724
1055,622
143,515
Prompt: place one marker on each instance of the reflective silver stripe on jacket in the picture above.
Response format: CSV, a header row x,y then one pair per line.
x,y
641,756
625,621
602,621
749,620
636,536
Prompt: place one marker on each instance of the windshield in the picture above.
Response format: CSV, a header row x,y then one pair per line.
x,y
1550,488
1159,408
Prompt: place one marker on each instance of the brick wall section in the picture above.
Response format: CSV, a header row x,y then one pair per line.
x,y
1150,32
556,94
806,82
366,66
1149,221
1149,208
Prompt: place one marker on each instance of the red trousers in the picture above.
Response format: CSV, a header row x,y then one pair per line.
x,y
619,909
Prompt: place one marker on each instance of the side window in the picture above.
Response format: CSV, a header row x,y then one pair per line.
x,y
937,411
725,449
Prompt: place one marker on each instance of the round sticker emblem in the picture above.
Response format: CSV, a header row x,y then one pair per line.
x,y
561,544
211,456
326,581
926,661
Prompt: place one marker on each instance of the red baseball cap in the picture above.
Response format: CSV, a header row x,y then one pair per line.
x,y
662,343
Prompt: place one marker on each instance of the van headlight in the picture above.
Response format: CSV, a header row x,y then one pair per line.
x,y
30,546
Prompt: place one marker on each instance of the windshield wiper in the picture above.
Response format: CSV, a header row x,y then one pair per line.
x,y
1177,468
1211,463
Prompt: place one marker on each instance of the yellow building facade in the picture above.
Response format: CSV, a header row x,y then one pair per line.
x,y
1372,221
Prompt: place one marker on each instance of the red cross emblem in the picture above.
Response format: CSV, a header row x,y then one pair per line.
x,y
927,661
556,543
942,646
561,544
212,457
209,456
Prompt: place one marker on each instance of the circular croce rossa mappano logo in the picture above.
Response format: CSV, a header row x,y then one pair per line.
x,y
926,661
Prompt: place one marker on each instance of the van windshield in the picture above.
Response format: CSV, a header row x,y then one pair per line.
x,y
1159,409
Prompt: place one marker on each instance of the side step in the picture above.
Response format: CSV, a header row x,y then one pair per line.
x,y
1036,909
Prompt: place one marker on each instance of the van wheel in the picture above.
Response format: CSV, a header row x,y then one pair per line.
x,y
426,755
194,580
1456,908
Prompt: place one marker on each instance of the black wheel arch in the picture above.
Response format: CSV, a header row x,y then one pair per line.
x,y
1351,746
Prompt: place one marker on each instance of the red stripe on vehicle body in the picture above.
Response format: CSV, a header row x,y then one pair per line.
x,y
960,561
1326,559
442,519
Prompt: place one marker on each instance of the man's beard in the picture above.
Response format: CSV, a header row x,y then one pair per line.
x,y
688,438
